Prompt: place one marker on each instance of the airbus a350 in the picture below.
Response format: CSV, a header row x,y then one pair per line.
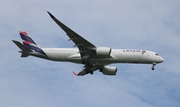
x,y
92,57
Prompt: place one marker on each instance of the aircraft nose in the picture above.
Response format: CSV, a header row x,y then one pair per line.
x,y
161,59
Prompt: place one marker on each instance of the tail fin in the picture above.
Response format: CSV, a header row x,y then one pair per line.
x,y
29,43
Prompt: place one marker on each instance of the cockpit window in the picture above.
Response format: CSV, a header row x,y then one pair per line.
x,y
156,54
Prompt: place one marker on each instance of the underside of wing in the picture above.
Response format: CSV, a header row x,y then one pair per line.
x,y
106,70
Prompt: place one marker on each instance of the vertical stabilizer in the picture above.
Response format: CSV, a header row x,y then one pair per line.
x,y
29,43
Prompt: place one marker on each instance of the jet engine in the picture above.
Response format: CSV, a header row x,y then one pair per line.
x,y
109,70
103,51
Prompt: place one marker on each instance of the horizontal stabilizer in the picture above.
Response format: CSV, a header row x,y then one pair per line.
x,y
24,55
22,47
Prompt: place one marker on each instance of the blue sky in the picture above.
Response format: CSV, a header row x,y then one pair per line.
x,y
135,24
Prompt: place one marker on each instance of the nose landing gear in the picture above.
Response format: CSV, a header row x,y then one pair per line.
x,y
153,66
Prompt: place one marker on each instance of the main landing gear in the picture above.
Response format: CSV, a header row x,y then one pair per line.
x,y
153,66
87,66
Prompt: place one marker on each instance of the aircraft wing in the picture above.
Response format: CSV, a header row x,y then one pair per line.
x,y
84,46
88,69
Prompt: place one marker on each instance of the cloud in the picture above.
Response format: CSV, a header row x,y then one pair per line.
x,y
152,25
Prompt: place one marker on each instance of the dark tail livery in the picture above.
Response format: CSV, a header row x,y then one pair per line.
x,y
28,44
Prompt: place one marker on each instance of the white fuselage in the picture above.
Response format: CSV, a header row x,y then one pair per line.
x,y
116,56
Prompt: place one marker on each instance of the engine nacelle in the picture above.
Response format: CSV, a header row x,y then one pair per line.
x,y
109,70
103,51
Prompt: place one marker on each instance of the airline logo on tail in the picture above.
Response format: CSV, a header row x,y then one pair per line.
x,y
29,43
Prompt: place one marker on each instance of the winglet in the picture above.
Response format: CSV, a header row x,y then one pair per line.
x,y
74,73
50,15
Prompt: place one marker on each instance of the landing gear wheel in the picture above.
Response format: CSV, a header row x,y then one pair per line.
x,y
153,66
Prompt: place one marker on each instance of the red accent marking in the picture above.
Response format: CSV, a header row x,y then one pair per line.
x,y
26,42
143,51
74,73
24,33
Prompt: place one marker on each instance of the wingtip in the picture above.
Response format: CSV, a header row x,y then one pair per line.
x,y
50,14
74,73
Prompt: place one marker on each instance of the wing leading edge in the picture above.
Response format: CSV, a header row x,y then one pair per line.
x,y
84,46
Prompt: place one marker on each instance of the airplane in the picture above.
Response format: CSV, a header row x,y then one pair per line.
x,y
93,57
